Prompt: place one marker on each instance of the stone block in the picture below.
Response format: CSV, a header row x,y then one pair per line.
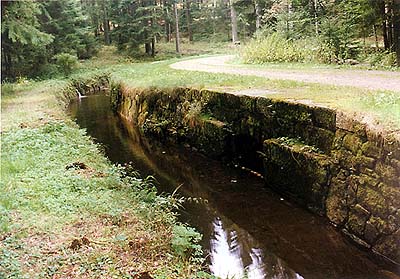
x,y
298,172
371,233
389,246
352,143
396,165
338,139
373,201
391,145
388,174
321,138
370,149
358,217
392,195
365,162
324,118
346,160
348,123
336,202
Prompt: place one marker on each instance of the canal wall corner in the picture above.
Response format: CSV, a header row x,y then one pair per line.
x,y
331,163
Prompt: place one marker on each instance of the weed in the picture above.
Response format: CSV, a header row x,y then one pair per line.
x,y
66,63
7,89
57,189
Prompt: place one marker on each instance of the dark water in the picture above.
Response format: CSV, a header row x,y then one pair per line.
x,y
247,229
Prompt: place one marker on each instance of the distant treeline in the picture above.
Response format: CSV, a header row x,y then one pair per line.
x,y
35,33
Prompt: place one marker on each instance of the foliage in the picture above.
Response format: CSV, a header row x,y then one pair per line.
x,y
381,59
66,63
275,48
136,24
33,32
20,24
7,89
23,43
65,21
117,208
185,243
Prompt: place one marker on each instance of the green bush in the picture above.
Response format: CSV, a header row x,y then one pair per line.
x,y
66,62
275,48
7,89
185,243
381,59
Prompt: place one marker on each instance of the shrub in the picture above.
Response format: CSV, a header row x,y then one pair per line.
x,y
275,48
381,59
185,243
7,89
66,62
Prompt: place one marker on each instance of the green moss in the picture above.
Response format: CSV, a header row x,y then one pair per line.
x,y
374,201
358,217
352,142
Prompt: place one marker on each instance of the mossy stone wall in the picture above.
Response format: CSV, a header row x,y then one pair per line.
x,y
334,165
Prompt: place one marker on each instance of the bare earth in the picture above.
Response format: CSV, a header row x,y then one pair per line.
x,y
368,79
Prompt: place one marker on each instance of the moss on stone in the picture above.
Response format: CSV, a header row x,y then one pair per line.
x,y
388,246
374,201
388,174
352,143
358,217
371,150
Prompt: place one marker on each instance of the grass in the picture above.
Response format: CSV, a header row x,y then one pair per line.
x,y
61,220
382,106
67,212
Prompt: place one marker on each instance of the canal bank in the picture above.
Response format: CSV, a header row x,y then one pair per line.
x,y
67,211
159,110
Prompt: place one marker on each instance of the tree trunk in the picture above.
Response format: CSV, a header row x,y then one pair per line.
x,y
177,39
214,8
153,46
106,25
389,24
167,24
234,23
257,10
147,48
376,37
289,23
384,24
169,33
316,17
189,21
6,64
396,29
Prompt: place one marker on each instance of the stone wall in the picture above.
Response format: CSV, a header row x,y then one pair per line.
x,y
333,165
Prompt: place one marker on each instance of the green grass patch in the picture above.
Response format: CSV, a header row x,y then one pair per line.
x,y
66,211
159,74
57,186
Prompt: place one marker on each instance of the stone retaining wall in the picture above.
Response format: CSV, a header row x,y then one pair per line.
x,y
333,165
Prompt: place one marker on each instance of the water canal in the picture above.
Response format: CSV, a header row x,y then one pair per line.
x,y
248,230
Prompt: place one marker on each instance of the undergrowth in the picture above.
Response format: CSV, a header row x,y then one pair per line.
x,y
275,48
67,212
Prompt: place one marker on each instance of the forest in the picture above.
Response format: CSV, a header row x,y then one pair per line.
x,y
44,38
200,139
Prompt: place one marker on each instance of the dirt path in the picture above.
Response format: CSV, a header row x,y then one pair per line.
x,y
375,80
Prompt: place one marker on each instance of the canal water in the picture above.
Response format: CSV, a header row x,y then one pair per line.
x,y
248,230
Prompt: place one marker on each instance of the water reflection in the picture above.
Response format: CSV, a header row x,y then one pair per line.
x,y
248,231
234,254
225,254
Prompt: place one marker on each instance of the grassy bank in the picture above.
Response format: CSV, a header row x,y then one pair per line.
x,y
381,107
66,212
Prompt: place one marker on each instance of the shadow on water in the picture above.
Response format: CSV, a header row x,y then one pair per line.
x,y
247,230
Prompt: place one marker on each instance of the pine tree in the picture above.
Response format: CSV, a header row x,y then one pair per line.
x,y
21,38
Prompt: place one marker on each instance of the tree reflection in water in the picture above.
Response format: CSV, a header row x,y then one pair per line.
x,y
233,255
